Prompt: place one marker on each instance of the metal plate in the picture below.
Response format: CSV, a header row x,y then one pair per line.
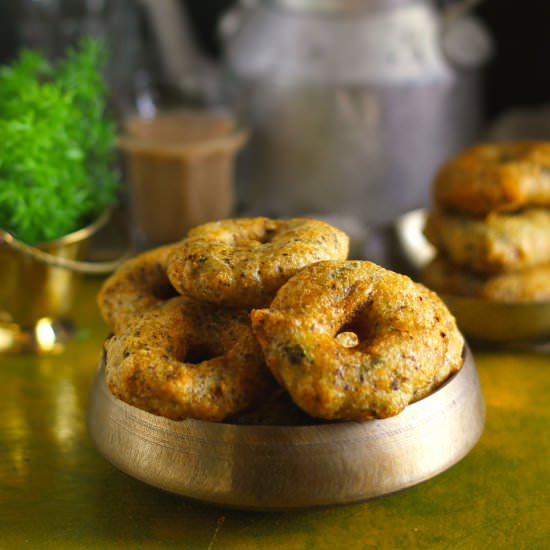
x,y
289,467
511,325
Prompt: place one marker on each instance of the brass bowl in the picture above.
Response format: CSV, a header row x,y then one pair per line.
x,y
31,289
37,287
290,467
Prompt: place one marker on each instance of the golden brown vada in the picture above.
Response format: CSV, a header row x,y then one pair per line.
x,y
495,243
138,285
495,177
407,341
242,262
528,285
188,359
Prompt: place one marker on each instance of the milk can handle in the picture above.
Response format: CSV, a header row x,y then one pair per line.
x,y
464,40
455,9
231,21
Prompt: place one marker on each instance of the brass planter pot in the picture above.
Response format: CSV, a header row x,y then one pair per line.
x,y
290,467
37,286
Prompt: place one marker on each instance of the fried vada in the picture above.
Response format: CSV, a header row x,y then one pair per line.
x,y
242,262
138,285
528,285
495,177
495,243
407,342
188,359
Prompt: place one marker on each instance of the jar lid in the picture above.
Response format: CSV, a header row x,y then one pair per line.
x,y
338,6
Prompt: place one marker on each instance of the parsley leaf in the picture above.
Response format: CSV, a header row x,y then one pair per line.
x,y
56,143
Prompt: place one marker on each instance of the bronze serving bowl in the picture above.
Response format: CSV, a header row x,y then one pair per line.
x,y
288,467
38,284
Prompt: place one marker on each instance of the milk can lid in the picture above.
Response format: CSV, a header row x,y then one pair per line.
x,y
339,6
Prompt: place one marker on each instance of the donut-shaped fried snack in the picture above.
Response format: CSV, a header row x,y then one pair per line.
x,y
242,262
354,341
138,285
188,359
495,177
498,242
528,285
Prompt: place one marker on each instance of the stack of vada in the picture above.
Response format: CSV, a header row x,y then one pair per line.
x,y
490,224
240,310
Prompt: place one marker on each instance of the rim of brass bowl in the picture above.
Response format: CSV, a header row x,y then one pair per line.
x,y
290,467
41,252
82,233
69,238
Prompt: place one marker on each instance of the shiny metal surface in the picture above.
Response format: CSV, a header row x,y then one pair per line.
x,y
337,6
30,288
37,287
288,467
352,104
516,324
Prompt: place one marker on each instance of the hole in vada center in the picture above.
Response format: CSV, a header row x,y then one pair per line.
x,y
266,236
165,292
355,330
198,353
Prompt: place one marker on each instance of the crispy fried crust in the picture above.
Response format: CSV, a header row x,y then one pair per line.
x,y
188,359
492,244
242,262
495,177
529,285
138,285
408,342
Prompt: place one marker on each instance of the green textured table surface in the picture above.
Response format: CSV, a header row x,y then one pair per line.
x,y
57,492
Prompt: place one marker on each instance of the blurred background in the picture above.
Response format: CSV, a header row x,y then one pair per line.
x,y
348,117
337,109
518,73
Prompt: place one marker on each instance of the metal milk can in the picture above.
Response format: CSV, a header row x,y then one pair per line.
x,y
352,104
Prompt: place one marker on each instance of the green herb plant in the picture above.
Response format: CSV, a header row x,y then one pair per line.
x,y
56,143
